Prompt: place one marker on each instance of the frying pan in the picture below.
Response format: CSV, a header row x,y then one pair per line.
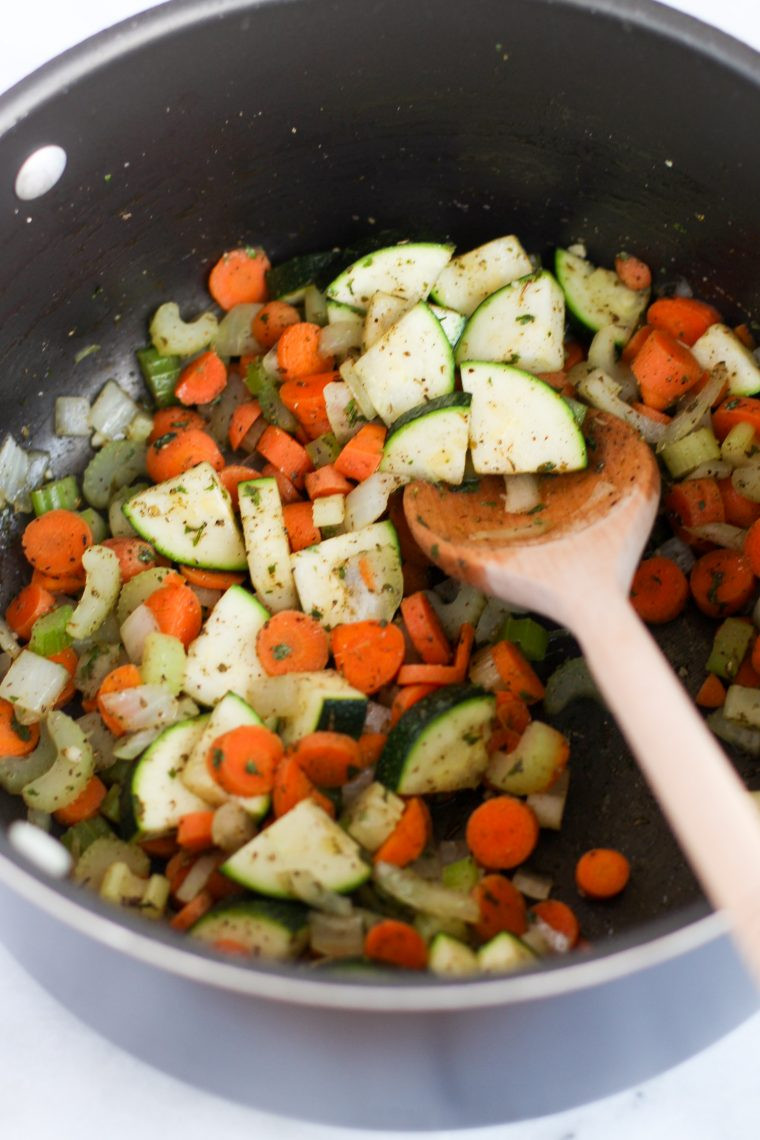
x,y
301,124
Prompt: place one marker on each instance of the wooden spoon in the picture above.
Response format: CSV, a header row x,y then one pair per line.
x,y
573,560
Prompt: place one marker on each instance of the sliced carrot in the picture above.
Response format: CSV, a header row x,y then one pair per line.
x,y
368,653
635,343
194,831
286,454
409,837
289,492
231,946
736,410
371,745
202,380
292,785
239,277
271,321
16,739
134,555
560,917
684,318
712,693
602,873
298,352
329,759
745,335
425,630
396,943
243,761
85,806
177,610
721,582
292,642
516,673
192,911
502,907
660,590
220,887
55,542
651,413
407,697
326,481
59,583
174,453
299,526
574,354
69,659
739,510
32,602
511,712
119,679
176,420
233,475
693,503
503,740
442,674
748,673
502,833
305,398
664,369
241,422
160,847
361,455
633,272
211,579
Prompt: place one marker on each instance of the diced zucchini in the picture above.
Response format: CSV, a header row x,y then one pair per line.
x,y
373,816
505,953
408,271
430,441
533,764
472,276
522,324
597,297
266,543
269,929
383,311
159,797
453,324
450,958
223,657
719,346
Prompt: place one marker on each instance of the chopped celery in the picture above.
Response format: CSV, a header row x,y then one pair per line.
x,y
527,634
739,445
684,455
263,386
49,632
160,374
315,305
111,805
79,836
61,494
577,408
163,662
569,682
96,523
729,647
116,465
324,449
461,875
118,773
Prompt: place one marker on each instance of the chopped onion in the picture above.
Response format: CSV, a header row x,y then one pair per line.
x,y
8,641
309,890
492,619
695,407
722,534
101,741
532,884
140,427
33,684
336,936
521,493
602,354
145,706
746,480
221,411
234,336
732,732
343,415
101,591
549,806
466,606
340,338
14,471
378,717
112,412
355,383
711,469
354,788
72,416
172,336
231,827
602,392
369,499
94,665
196,878
135,630
208,598
432,898
130,747
271,364
676,549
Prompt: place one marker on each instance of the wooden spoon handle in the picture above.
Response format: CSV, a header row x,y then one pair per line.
x,y
705,802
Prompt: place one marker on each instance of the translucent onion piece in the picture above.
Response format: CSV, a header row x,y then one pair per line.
x,y
732,732
71,770
171,336
94,665
336,936
72,416
113,411
8,642
221,411
207,598
602,354
492,619
340,338
100,740
602,392
342,411
351,377
378,717
33,684
135,630
14,470
130,747
101,590
140,427
677,550
532,884
432,898
309,890
234,336
689,417
549,806
711,469
196,878
722,534
145,706
746,480
521,493
466,606
369,499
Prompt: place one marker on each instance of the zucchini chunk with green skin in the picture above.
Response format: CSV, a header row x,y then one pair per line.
x,y
267,928
439,745
223,656
430,442
519,424
471,277
231,712
522,324
190,520
450,958
310,702
266,543
291,278
505,953
411,363
159,797
408,271
304,839
330,582
720,346
597,297
534,763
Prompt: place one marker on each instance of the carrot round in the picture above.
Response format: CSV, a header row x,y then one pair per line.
x,y
32,602
406,697
517,674
560,917
298,351
202,380
241,422
119,679
60,583
664,369
292,642
299,525
85,806
55,542
425,630
211,579
501,833
174,419
239,277
502,907
292,785
16,739
722,582
371,745
633,272
736,410
174,453
243,760
635,343
659,591
177,611
602,873
738,509
329,759
194,831
271,321
134,555
409,837
396,943
369,654
693,503
192,911
684,318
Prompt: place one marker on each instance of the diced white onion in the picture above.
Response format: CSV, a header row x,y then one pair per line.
x,y
308,889
173,336
135,630
677,550
329,510
695,406
130,747
8,642
521,493
602,392
113,411
492,619
220,412
377,718
101,591
72,416
100,740
431,898
94,665
33,684
336,936
549,806
145,706
234,336
467,605
354,381
340,338
532,884
711,469
342,413
207,598
14,471
196,878
369,499
722,534
270,363
602,354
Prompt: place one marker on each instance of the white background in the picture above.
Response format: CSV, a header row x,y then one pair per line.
x,y
57,1078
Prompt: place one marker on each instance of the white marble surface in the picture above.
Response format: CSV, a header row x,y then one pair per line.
x,y
58,1078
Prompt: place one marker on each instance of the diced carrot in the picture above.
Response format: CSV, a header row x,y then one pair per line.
x,y
326,481
194,832
16,739
574,354
160,847
738,509
502,833
683,318
442,674
602,873
119,679
134,555
502,907
361,455
69,659
511,712
368,653
748,674
425,630
244,760
241,422
286,454
174,420
371,745
239,278
743,333
712,693
329,759
85,806
560,917
693,503
659,591
722,582
211,579
305,398
664,369
633,272
177,611
202,380
289,492
409,837
298,352
299,525
233,475
30,603
503,740
292,642
651,413
55,542
271,321
736,410
516,673
292,785
396,943
59,583
174,453
752,547
635,343
408,696
192,911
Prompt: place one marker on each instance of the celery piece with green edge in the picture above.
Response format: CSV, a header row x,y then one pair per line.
x,y
263,386
290,279
461,875
684,455
323,450
49,632
79,836
118,463
111,805
160,374
163,662
60,495
730,644
96,523
528,635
